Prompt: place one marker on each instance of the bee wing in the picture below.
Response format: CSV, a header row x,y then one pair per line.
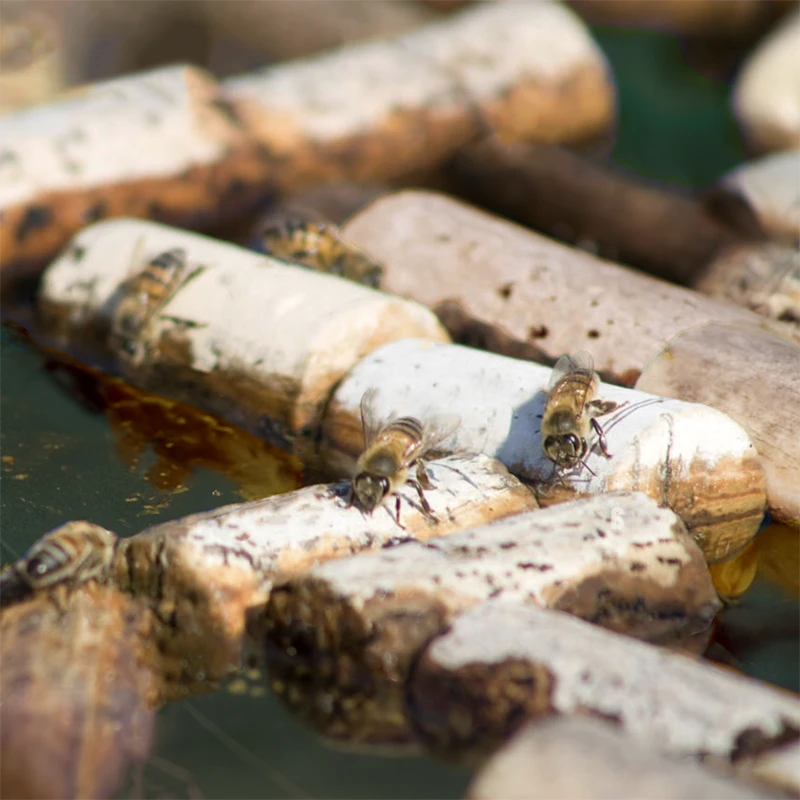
x,y
438,427
580,362
137,260
370,424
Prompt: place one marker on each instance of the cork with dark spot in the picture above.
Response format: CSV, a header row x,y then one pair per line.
x,y
533,290
207,576
77,691
341,638
755,379
501,665
194,164
526,71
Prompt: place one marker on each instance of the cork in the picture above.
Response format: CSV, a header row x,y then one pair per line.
x,y
765,93
539,764
32,58
769,187
689,457
501,665
755,379
762,277
248,338
528,71
206,574
159,144
77,689
558,192
341,638
504,288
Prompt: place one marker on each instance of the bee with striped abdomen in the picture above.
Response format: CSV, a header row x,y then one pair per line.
x,y
571,412
66,557
319,246
143,295
391,451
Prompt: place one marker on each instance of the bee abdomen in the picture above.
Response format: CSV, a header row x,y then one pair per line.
x,y
408,426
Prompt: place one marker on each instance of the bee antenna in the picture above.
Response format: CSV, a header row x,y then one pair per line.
x,y
589,468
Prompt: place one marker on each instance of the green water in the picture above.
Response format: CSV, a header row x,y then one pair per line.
x,y
675,126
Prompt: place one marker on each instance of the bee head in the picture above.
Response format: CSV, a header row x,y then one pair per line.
x,y
370,489
41,564
566,449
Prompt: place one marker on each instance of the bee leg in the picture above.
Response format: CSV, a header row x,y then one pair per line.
x,y
599,408
351,495
59,596
426,509
397,512
601,438
423,478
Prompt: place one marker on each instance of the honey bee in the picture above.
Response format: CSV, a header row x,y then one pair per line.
x,y
66,557
391,450
318,246
571,412
144,294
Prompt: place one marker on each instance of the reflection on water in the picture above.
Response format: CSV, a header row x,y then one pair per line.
x,y
165,442
758,631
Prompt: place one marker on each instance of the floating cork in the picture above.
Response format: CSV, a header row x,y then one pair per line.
x,y
502,664
558,192
255,341
379,110
204,574
341,637
770,188
689,457
540,764
755,379
518,293
159,144
766,91
762,277
76,689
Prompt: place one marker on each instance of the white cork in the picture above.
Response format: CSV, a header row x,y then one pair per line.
x,y
674,703
767,93
537,557
137,127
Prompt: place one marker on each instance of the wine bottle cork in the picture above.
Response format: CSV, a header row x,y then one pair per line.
x,y
78,685
762,277
502,664
341,638
539,764
765,93
248,338
522,294
381,109
769,188
690,457
206,574
755,379
160,145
